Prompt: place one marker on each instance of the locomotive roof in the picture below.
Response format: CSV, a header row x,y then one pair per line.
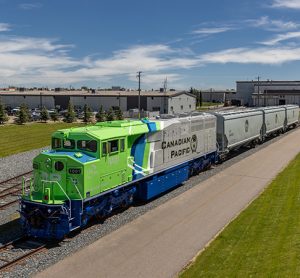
x,y
107,130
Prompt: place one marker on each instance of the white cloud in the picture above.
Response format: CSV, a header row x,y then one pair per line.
x,y
30,6
29,61
157,79
262,55
44,61
282,37
4,27
291,4
213,30
14,44
273,25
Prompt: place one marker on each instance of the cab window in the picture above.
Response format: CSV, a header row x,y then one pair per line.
x,y
113,146
69,144
122,145
87,145
56,143
104,148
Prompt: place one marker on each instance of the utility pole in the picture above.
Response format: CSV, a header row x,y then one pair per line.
x,y
139,98
258,77
165,93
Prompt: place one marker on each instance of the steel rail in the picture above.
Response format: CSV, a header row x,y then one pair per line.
x,y
18,259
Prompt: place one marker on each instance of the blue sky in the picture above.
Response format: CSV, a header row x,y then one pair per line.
x,y
204,44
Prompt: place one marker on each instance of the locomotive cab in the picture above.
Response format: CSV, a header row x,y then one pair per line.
x,y
56,191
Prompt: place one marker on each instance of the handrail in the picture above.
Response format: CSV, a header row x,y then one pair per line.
x,y
51,182
78,194
24,187
137,168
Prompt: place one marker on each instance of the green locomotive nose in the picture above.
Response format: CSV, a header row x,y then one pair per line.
x,y
58,177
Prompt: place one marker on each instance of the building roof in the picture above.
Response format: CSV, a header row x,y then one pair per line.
x,y
272,82
279,92
96,93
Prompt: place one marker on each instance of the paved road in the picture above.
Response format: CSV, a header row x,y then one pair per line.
x,y
161,242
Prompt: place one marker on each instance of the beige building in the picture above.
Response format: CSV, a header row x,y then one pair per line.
x,y
170,102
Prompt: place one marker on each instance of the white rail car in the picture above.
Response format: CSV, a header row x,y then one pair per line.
x,y
292,115
274,118
237,128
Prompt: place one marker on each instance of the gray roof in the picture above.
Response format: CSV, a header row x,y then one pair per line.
x,y
96,93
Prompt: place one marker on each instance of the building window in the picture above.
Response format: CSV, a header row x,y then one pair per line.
x,y
152,98
172,108
190,106
181,107
155,108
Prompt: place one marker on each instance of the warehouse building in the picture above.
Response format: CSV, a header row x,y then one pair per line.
x,y
170,102
217,95
267,93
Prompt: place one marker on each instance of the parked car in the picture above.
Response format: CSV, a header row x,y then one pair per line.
x,y
15,110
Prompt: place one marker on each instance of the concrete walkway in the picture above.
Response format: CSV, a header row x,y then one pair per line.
x,y
162,241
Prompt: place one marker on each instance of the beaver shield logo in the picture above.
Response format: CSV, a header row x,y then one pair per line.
x,y
194,143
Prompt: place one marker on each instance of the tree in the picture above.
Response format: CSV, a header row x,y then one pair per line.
x,y
54,116
23,115
44,114
100,116
110,116
198,95
200,98
70,115
87,114
3,115
119,114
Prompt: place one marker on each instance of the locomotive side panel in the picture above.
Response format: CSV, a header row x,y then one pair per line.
x,y
182,139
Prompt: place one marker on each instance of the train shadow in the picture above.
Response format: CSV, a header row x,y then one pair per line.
x,y
9,231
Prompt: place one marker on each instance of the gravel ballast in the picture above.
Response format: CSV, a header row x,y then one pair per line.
x,y
98,230
17,164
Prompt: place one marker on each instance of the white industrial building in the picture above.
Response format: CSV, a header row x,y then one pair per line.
x,y
170,102
267,93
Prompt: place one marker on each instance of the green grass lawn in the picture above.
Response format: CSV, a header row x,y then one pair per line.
x,y
264,240
207,105
20,138
210,103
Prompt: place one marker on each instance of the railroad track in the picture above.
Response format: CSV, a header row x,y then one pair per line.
x,y
16,251
10,190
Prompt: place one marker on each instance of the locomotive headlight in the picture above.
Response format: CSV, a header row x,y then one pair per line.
x,y
49,210
48,163
23,206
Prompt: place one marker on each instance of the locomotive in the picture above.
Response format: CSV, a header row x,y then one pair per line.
x,y
91,171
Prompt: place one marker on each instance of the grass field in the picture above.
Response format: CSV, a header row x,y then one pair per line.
x,y
20,138
208,105
264,240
